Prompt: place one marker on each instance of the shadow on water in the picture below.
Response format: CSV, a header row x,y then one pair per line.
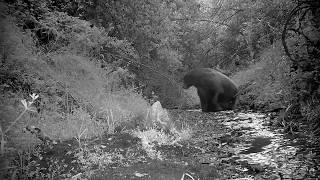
x,y
257,145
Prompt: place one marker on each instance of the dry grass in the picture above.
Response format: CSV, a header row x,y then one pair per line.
x,y
152,137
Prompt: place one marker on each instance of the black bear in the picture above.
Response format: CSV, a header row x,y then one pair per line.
x,y
216,91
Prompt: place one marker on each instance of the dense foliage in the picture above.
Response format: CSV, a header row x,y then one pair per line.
x,y
301,41
158,41
96,66
148,46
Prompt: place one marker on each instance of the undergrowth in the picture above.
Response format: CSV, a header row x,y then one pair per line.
x,y
270,85
82,92
265,85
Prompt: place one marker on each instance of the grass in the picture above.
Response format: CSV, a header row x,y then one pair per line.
x,y
72,88
152,137
77,98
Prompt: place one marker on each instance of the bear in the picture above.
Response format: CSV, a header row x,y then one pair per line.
x,y
216,91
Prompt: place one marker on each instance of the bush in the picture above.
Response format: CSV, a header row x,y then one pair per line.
x,y
81,37
266,84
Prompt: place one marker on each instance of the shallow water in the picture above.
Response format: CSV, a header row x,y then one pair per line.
x,y
268,148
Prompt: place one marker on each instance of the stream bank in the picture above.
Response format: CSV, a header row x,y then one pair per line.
x,y
223,145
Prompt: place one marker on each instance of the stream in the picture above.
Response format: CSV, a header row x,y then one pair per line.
x,y
268,148
232,145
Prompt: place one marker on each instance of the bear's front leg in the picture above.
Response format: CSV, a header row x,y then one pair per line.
x,y
203,99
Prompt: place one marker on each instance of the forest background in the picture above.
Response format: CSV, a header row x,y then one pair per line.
x,y
110,59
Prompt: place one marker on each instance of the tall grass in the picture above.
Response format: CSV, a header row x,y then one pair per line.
x,y
77,98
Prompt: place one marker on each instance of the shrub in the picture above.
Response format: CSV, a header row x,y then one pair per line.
x,y
81,37
265,84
